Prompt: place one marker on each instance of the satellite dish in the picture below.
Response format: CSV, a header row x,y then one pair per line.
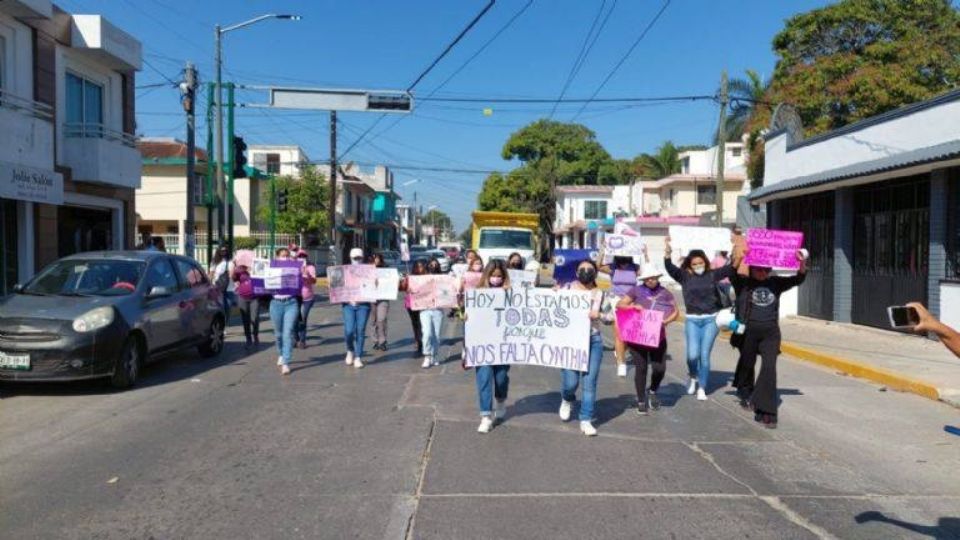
x,y
785,117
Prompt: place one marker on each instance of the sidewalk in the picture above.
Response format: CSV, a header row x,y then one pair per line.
x,y
899,361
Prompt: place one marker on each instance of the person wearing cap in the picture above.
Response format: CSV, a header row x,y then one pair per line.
x,y
308,274
653,296
283,315
355,316
703,297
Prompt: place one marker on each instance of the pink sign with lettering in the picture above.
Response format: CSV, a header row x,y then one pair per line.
x,y
432,291
776,249
640,327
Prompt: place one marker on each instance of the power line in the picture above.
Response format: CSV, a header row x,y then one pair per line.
x,y
589,100
625,56
581,55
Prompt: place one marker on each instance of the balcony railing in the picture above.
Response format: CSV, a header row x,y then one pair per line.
x,y
84,130
26,106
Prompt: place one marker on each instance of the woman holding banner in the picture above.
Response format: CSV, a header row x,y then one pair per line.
x,y
651,295
308,274
249,305
431,324
355,315
623,275
380,310
703,297
600,311
493,382
419,268
283,314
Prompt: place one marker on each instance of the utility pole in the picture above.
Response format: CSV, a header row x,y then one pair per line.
x,y
218,139
273,214
332,210
231,155
210,195
188,89
722,150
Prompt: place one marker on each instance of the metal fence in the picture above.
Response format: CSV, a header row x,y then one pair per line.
x,y
171,243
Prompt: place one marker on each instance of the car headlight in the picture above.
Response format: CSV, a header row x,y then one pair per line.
x,y
94,319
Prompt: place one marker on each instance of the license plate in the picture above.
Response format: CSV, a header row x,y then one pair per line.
x,y
14,361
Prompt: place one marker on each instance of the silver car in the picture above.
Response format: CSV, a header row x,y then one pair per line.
x,y
441,256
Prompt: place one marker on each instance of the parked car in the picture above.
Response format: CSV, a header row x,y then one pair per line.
x,y
441,256
105,314
418,252
392,260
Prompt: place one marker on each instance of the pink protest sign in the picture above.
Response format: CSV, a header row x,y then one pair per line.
x,y
244,257
776,249
432,291
640,327
352,283
471,279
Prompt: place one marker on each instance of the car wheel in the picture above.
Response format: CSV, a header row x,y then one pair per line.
x,y
127,367
213,343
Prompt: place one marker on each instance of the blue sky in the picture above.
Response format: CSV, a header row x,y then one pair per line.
x,y
386,44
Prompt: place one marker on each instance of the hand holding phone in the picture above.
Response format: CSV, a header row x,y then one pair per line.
x,y
905,317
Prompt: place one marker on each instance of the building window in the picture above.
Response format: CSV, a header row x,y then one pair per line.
x,y
84,107
273,163
594,209
198,189
706,194
736,151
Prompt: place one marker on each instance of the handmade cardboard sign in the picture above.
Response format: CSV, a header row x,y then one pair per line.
x,y
352,283
622,245
276,277
640,327
684,238
471,279
776,249
565,262
432,291
388,283
522,278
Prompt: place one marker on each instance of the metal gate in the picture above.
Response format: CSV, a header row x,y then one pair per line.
x,y
891,242
814,216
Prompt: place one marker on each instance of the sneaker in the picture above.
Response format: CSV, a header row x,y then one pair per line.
x,y
284,369
692,387
586,427
654,401
565,408
701,395
435,361
769,421
642,409
357,363
500,410
349,358
621,370
486,424
279,360
427,362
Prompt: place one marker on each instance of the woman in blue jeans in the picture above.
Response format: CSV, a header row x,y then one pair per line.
x,y
600,311
702,298
493,382
355,315
283,314
431,324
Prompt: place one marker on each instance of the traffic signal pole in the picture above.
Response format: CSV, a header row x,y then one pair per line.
x,y
332,205
189,90
273,214
210,198
229,169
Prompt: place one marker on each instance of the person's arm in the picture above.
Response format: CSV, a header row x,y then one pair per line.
x,y
673,316
787,283
724,272
672,270
928,323
626,302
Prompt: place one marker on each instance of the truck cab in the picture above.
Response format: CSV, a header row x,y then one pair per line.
x,y
498,234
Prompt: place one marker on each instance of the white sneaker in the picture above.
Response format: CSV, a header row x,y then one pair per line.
x,y
692,387
565,407
427,362
587,428
349,359
357,363
622,370
500,410
434,361
279,360
284,369
701,395
486,424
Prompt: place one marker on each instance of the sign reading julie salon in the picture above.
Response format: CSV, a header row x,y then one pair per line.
x,y
30,184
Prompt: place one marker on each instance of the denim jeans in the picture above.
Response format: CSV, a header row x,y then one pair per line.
x,y
305,307
701,332
492,381
283,313
431,321
355,326
571,379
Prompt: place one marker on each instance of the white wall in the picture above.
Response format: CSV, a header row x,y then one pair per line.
x,y
704,162
950,304
290,158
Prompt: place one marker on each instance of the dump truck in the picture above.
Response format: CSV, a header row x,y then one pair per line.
x,y
498,234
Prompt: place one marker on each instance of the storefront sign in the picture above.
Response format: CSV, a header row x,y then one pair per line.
x,y
30,184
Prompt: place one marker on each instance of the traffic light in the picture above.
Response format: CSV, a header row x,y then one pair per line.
x,y
239,157
282,200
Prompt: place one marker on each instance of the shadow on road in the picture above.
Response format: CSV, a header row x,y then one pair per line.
x,y
946,527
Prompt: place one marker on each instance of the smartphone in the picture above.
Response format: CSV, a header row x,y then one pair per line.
x,y
903,316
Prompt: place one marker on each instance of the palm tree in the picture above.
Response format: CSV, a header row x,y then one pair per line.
x,y
663,163
745,95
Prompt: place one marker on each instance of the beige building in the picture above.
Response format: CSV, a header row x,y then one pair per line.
x,y
161,198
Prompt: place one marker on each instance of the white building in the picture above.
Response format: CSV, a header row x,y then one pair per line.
x,y
283,160
366,210
68,162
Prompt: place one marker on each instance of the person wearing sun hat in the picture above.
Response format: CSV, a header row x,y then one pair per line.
x,y
355,316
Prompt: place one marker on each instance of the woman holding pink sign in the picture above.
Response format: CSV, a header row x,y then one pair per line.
x,y
283,314
355,316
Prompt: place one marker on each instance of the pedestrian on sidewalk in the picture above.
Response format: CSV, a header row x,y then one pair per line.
x,y
601,311
703,297
355,316
654,296
419,268
249,305
758,307
283,314
221,268
431,323
623,276
379,312
928,323
308,276
493,382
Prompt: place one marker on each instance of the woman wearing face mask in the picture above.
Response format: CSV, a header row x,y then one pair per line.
x,y
623,276
355,315
515,261
283,314
758,306
493,382
419,268
702,298
431,323
379,312
600,310
650,295
309,276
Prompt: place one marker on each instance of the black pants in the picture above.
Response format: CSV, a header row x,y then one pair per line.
x,y
417,331
250,315
656,359
762,339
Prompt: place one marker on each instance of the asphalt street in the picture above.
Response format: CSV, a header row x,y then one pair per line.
x,y
227,448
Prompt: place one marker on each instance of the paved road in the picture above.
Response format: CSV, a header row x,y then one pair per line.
x,y
229,449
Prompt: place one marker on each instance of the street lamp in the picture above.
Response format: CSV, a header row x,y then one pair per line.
x,y
218,61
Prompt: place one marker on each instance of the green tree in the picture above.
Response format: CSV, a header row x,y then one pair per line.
x,y
307,203
663,163
438,219
746,95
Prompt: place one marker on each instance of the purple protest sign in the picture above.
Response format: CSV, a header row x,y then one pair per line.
x,y
281,277
772,248
641,327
